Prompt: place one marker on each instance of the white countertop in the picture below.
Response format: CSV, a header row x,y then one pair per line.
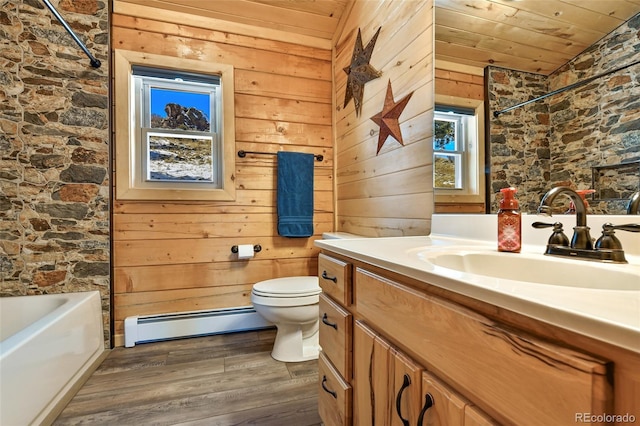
x,y
605,314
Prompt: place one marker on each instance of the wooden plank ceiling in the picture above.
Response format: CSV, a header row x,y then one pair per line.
x,y
308,18
537,36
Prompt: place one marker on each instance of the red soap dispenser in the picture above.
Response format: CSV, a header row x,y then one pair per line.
x,y
583,194
509,222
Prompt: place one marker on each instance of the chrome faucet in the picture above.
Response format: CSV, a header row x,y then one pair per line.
x,y
634,203
581,238
606,249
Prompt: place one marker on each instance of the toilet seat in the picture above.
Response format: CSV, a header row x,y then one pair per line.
x,y
287,287
288,291
282,302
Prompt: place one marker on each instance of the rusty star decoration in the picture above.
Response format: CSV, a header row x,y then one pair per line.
x,y
360,71
387,119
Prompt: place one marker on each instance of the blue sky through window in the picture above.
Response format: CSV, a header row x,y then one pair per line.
x,y
161,97
444,135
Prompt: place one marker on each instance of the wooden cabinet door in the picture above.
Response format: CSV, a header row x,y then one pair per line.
x,y
363,338
441,406
371,377
386,382
406,395
475,417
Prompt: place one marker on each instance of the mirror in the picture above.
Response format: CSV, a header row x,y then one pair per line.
x,y
587,137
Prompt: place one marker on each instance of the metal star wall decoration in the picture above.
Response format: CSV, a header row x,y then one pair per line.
x,y
360,71
387,119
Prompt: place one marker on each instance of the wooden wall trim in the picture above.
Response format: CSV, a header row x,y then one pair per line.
x,y
222,26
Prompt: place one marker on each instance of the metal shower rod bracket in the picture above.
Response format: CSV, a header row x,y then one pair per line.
x,y
94,62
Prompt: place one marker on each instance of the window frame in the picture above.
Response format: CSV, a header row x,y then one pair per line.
x,y
143,87
460,150
473,172
130,152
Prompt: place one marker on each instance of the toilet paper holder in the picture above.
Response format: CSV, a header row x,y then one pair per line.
x,y
256,248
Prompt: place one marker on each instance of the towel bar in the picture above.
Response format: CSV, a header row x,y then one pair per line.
x,y
242,153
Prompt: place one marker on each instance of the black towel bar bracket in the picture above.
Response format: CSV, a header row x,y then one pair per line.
x,y
257,248
242,153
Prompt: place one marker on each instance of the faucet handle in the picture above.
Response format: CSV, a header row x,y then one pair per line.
x,y
540,225
608,240
630,227
558,237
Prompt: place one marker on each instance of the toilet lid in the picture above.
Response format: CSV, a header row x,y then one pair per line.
x,y
288,287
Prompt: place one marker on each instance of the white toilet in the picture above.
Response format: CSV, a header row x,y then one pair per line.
x,y
291,304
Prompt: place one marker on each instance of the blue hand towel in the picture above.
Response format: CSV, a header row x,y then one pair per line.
x,y
295,194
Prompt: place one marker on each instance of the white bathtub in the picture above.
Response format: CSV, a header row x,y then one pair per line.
x,y
48,344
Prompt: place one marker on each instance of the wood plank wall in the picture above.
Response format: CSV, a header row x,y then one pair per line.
x,y
389,194
459,84
176,256
452,80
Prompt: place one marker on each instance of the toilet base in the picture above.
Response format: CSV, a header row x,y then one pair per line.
x,y
291,346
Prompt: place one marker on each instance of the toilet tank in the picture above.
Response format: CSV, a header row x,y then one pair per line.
x,y
339,236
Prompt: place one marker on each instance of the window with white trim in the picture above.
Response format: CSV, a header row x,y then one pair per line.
x,y
174,128
177,118
457,153
452,129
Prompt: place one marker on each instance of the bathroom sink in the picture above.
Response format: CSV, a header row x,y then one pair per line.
x,y
537,269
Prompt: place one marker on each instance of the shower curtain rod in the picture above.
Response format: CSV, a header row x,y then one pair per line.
x,y
94,62
564,89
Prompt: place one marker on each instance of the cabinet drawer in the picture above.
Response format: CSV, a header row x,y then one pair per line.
x,y
335,278
334,395
335,335
514,377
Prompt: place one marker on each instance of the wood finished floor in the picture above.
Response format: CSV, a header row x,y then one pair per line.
x,y
217,380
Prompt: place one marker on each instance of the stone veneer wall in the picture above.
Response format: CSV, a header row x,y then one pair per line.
x,y
519,139
594,125
599,124
54,148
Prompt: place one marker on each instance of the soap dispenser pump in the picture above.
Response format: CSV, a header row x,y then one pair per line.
x,y
509,222
583,194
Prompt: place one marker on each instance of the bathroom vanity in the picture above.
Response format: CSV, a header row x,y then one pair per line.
x,y
407,342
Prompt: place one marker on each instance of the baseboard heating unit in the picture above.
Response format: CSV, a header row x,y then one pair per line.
x,y
151,328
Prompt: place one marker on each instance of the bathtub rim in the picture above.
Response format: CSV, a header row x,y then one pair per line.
x,y
14,340
81,373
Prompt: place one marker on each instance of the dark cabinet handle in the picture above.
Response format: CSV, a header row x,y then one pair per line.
x,y
405,384
327,277
428,403
330,392
330,324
